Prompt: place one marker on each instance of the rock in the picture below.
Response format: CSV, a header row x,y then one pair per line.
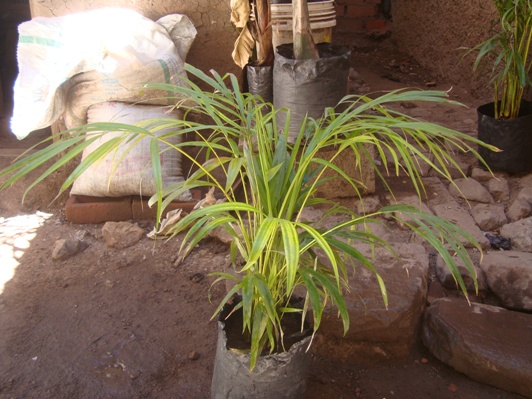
x,y
520,233
436,291
82,234
64,249
424,168
311,214
353,74
481,175
458,215
354,87
412,200
382,231
509,276
519,209
445,206
377,333
487,343
499,188
446,278
471,190
459,170
489,217
368,204
526,181
121,234
222,235
364,89
525,194
453,388
356,83
197,277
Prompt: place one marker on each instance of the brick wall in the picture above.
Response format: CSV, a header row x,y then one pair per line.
x,y
361,16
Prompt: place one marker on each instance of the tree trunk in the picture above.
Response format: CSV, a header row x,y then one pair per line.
x,y
264,34
304,46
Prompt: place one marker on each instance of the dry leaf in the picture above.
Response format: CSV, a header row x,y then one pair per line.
x,y
240,10
209,199
172,218
243,48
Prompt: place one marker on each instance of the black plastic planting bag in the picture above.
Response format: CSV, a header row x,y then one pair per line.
x,y
512,136
277,376
307,87
260,81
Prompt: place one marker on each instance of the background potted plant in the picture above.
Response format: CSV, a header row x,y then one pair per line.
x,y
506,122
253,48
308,77
275,254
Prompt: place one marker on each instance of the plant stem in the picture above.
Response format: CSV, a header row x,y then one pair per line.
x,y
264,44
304,46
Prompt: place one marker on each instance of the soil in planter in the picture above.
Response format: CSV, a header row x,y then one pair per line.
x,y
291,323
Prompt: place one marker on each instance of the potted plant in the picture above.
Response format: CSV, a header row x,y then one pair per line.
x,y
506,122
308,77
276,255
253,48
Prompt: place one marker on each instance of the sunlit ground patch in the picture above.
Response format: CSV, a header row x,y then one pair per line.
x,y
16,234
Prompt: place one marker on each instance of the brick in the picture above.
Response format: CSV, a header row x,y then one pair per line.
x,y
340,11
84,209
361,11
346,25
376,25
142,211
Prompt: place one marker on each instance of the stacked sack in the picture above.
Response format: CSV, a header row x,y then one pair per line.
x,y
91,67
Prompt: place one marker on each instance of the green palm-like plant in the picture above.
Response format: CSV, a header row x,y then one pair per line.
x,y
509,49
274,252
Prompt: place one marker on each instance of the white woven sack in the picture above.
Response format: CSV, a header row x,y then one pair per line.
x,y
70,62
134,174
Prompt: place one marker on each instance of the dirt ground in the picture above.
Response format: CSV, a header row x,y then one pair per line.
x,y
111,323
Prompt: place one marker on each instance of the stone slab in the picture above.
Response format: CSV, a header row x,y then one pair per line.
x,y
378,333
471,190
487,343
445,206
447,280
509,276
520,234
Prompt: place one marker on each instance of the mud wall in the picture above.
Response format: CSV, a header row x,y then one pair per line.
x,y
214,42
368,16
433,32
